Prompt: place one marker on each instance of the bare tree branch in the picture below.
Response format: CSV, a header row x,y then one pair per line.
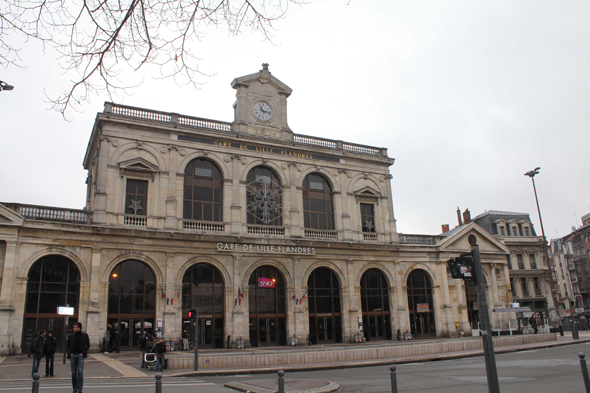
x,y
99,39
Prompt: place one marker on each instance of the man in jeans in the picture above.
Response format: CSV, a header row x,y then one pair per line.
x,y
37,351
77,350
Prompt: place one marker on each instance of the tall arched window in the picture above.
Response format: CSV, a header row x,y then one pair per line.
x,y
203,191
375,305
132,300
325,316
421,304
54,281
202,286
318,211
266,301
264,197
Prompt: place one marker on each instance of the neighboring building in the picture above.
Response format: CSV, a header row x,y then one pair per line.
x,y
273,235
562,269
530,274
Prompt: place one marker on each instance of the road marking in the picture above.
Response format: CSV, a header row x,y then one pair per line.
x,y
116,365
87,387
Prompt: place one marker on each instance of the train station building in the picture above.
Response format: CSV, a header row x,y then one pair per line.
x,y
277,237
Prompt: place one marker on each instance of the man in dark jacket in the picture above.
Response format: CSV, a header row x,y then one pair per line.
x,y
77,350
117,341
49,350
37,351
142,341
159,349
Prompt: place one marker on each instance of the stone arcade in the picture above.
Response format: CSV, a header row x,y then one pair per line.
x,y
274,235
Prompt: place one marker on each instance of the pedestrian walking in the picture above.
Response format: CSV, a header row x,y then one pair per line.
x,y
185,337
77,350
533,323
49,351
106,341
159,349
36,351
117,341
143,339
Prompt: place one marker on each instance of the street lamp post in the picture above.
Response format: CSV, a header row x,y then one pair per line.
x,y
532,174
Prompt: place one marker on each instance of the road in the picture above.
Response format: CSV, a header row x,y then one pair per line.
x,y
542,371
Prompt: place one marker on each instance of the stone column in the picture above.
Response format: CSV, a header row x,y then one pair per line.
x,y
235,193
172,179
298,321
354,303
100,177
464,318
238,314
172,321
6,302
403,314
292,203
447,308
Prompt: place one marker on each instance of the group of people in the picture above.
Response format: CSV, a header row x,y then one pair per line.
x,y
77,346
43,346
111,341
156,345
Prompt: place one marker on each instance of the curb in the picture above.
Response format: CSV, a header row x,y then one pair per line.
x,y
371,363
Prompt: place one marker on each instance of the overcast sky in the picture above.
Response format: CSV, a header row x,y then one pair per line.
x,y
467,96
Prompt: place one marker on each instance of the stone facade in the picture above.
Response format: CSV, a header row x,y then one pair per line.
x,y
139,146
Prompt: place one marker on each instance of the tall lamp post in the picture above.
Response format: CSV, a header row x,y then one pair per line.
x,y
532,174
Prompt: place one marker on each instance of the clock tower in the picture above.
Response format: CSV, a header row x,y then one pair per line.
x,y
261,106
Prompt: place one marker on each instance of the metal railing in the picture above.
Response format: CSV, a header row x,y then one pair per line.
x,y
320,234
215,125
265,230
137,221
428,240
50,213
203,226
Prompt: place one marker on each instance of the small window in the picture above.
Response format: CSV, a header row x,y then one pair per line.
x,y
525,289
520,259
509,262
136,197
527,231
368,217
502,231
537,286
514,231
533,261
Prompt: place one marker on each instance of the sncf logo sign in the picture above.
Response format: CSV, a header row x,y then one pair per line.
x,y
266,282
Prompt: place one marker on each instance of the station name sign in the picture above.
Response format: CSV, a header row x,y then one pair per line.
x,y
265,248
256,148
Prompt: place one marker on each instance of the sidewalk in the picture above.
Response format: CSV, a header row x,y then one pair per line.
x,y
127,363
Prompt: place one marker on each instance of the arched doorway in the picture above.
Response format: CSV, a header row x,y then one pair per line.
x,y
325,316
266,301
375,306
202,286
132,301
53,281
421,306
472,304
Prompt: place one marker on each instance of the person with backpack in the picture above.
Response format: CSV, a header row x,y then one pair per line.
x,y
49,350
37,351
159,349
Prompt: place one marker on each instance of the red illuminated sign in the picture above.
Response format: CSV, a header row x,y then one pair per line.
x,y
266,282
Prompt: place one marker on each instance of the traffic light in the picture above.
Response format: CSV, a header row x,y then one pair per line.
x,y
191,314
462,267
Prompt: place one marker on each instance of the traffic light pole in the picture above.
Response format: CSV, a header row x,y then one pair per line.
x,y
484,318
196,365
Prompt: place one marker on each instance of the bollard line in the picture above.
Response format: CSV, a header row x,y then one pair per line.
x,y
393,379
584,371
158,383
35,383
281,375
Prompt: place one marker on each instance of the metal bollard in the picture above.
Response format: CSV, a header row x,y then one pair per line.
x,y
158,383
575,335
393,379
281,375
584,371
35,383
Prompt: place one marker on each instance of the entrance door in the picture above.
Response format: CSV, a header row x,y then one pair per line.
x,y
324,329
267,331
422,324
375,326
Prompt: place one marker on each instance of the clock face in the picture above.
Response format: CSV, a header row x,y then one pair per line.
x,y
262,111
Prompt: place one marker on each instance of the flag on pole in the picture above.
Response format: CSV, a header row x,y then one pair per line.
x,y
293,297
163,293
304,295
240,293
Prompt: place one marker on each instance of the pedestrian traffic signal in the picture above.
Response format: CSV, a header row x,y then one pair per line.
x,y
191,314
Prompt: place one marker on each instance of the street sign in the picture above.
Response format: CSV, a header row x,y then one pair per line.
x,y
422,307
65,310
